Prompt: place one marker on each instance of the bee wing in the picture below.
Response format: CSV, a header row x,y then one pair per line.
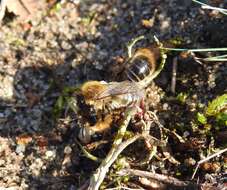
x,y
120,88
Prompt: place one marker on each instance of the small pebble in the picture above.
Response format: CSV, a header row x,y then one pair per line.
x,y
67,150
50,154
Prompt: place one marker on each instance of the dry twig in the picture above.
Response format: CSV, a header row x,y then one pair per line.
x,y
99,175
159,177
2,9
174,74
123,188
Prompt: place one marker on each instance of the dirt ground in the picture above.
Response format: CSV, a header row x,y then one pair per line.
x,y
84,40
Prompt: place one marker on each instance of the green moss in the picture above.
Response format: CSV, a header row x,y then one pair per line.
x,y
57,7
221,118
201,118
181,97
217,105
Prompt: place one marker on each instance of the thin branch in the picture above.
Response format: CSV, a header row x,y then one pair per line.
x,y
206,6
174,75
159,177
88,154
195,50
99,175
131,44
122,188
156,120
2,9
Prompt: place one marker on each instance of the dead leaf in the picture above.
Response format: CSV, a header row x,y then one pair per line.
x,y
41,141
26,26
25,9
148,23
23,139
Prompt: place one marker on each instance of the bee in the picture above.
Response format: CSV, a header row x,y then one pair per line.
x,y
107,97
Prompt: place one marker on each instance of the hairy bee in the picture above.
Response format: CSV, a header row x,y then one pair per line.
x,y
136,75
107,97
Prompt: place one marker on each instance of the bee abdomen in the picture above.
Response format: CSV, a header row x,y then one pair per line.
x,y
85,134
138,70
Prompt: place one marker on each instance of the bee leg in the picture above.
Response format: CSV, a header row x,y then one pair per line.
x,y
105,110
142,105
102,116
141,110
